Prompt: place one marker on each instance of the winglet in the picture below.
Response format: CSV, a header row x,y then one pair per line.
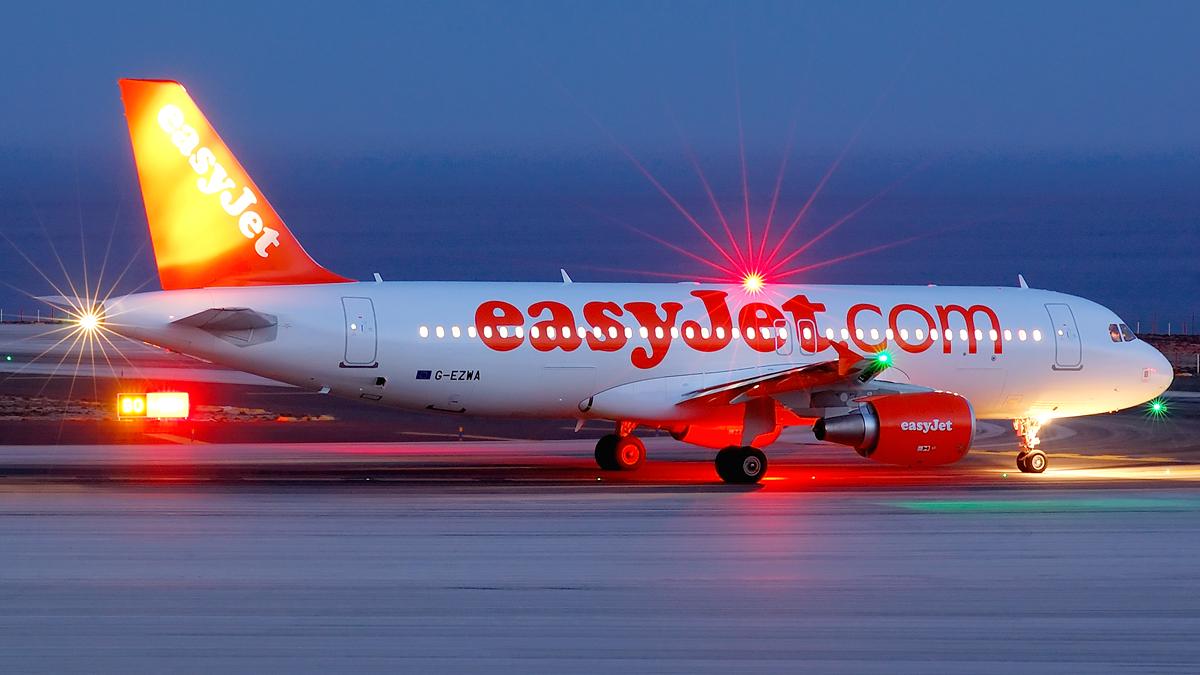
x,y
1021,281
566,277
848,359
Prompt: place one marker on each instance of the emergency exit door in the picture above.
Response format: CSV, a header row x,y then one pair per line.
x,y
360,333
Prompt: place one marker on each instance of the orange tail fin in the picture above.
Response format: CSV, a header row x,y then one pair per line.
x,y
209,223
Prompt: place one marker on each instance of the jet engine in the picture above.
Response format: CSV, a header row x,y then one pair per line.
x,y
919,429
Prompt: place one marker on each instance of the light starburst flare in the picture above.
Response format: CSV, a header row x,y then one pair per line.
x,y
89,321
753,282
1158,409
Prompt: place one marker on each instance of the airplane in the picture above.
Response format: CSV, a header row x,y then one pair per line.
x,y
899,373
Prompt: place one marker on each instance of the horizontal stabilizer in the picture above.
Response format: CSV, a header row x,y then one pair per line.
x,y
220,319
64,302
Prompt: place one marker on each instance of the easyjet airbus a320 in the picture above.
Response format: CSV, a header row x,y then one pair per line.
x,y
899,373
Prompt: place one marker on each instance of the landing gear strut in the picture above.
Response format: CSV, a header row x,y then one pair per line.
x,y
621,451
741,465
1029,459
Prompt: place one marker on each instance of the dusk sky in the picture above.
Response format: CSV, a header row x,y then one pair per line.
x,y
485,140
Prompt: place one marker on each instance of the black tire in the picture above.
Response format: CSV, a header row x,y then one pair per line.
x,y
1021,457
1035,462
606,452
741,465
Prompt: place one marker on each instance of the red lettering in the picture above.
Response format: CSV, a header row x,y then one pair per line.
x,y
894,324
720,325
968,315
851,325
603,315
550,334
804,314
658,331
498,325
753,319
494,316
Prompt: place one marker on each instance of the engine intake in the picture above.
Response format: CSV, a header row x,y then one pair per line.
x,y
923,429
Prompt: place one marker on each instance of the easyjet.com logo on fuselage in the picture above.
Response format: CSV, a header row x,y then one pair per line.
x,y
603,326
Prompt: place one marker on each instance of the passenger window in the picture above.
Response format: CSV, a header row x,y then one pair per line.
x,y
1127,334
1114,332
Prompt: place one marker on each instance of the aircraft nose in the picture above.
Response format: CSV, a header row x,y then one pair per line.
x,y
1157,372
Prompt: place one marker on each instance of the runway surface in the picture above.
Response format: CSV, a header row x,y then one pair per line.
x,y
310,579
513,557
425,553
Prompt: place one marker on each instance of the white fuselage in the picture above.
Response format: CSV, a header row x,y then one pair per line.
x,y
422,346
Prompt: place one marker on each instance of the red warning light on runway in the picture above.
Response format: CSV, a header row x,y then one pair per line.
x,y
160,405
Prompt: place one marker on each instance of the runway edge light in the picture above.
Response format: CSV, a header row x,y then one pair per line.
x,y
131,406
167,405
161,405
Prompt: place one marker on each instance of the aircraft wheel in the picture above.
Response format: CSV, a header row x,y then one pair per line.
x,y
1033,461
631,452
616,453
741,465
606,452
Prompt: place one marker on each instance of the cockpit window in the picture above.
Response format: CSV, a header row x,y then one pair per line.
x,y
1114,332
1127,334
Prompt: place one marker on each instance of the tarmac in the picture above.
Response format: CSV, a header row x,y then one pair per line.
x,y
406,549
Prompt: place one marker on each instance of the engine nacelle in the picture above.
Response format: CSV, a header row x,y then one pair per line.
x,y
921,429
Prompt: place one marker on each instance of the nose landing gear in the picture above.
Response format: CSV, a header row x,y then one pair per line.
x,y
1029,458
1033,461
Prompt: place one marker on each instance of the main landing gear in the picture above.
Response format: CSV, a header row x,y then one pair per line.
x,y
1029,458
621,451
741,465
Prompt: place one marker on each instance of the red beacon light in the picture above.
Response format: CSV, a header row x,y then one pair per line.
x,y
158,405
753,282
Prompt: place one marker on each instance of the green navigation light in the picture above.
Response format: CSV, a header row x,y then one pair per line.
x,y
1157,409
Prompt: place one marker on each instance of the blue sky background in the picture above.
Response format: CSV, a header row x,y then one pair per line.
x,y
479,140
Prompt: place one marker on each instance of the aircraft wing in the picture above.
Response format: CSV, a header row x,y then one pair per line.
x,y
847,367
